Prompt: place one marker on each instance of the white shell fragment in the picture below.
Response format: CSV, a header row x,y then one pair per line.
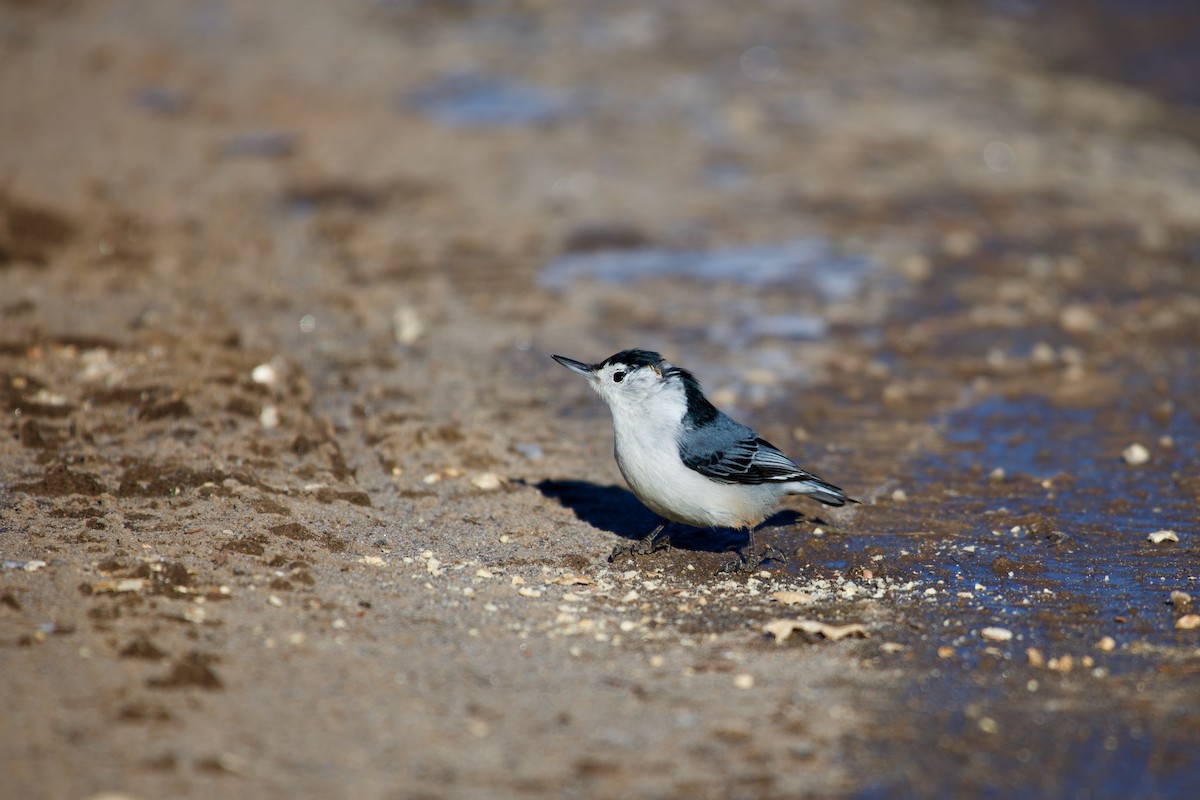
x,y
996,634
573,579
793,598
743,681
407,325
488,481
1158,537
119,585
1136,454
782,629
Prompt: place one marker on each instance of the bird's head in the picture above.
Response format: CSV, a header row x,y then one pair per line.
x,y
632,379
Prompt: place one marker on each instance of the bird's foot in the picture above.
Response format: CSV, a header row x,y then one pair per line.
x,y
751,561
642,547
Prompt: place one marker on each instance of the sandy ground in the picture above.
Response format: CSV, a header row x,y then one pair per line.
x,y
293,501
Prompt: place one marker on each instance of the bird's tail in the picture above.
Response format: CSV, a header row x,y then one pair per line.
x,y
818,489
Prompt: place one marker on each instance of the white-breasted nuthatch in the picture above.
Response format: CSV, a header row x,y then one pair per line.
x,y
686,460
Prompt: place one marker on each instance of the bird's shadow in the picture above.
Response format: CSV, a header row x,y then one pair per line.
x,y
616,510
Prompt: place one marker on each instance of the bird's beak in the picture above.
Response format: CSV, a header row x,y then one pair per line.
x,y
578,367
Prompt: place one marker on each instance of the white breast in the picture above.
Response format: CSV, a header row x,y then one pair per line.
x,y
648,456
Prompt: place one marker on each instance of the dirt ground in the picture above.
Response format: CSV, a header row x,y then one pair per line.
x,y
294,503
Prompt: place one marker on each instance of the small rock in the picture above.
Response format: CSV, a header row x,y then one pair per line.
x,y
996,475
1035,657
1136,454
743,681
264,374
119,585
407,325
1158,537
1078,319
1107,644
1179,598
899,496
1043,355
1061,664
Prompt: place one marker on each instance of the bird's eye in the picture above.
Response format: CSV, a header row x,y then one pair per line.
x,y
618,377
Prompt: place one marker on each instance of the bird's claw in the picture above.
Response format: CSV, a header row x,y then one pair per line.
x,y
641,547
751,561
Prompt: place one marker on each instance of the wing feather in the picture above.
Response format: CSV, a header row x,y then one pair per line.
x,y
746,458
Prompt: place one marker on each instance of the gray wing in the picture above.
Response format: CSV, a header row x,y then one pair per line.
x,y
729,452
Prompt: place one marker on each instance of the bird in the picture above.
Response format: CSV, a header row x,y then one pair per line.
x,y
686,460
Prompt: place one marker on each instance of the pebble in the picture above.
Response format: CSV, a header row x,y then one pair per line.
x,y
1179,598
1078,319
488,481
1188,622
264,374
1158,537
1107,644
1043,354
744,681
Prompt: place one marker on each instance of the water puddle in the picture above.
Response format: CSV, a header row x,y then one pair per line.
x,y
475,100
808,264
1054,552
1054,548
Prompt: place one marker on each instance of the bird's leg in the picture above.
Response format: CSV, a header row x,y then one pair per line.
x,y
752,559
650,543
